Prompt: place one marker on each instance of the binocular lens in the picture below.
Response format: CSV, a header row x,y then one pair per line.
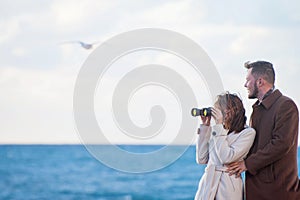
x,y
201,112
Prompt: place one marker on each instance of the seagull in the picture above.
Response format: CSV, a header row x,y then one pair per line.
x,y
84,45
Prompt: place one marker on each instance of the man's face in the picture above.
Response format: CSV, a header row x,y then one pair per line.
x,y
251,85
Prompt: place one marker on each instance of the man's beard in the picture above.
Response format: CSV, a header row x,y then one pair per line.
x,y
253,95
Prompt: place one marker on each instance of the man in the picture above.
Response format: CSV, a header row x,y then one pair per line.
x,y
271,164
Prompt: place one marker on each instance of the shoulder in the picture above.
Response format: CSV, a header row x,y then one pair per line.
x,y
248,131
286,103
246,136
285,99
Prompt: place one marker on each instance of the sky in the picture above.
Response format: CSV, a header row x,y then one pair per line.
x,y
39,68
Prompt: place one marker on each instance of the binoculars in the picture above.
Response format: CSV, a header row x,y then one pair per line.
x,y
205,112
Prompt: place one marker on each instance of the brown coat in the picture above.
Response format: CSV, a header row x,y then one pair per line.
x,y
272,160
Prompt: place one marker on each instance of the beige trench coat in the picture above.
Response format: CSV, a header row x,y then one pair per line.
x,y
215,147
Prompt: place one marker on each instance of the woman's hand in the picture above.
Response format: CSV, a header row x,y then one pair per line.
x,y
205,120
217,115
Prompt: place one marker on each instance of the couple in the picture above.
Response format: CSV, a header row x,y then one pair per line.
x,y
266,151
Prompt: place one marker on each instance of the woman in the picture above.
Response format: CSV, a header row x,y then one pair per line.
x,y
225,142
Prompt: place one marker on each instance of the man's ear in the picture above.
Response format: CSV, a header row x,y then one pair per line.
x,y
260,82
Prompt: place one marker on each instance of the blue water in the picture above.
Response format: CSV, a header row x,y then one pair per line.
x,y
70,172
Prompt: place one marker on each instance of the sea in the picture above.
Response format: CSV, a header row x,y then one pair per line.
x,y
71,172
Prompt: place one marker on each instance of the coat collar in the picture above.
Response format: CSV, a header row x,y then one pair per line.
x,y
269,100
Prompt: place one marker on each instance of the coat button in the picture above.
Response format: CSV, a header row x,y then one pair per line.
x,y
214,133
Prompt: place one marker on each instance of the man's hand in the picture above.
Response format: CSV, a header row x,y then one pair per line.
x,y
236,168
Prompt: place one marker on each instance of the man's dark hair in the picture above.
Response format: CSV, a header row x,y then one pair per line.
x,y
262,69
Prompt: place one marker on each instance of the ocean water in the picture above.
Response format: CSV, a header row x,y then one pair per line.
x,y
70,172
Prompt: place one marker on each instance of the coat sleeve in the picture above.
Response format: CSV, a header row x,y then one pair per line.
x,y
235,151
283,138
202,146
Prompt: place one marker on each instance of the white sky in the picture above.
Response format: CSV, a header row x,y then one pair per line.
x,y
37,73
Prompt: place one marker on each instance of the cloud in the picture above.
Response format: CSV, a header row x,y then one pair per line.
x,y
81,16
9,29
37,74
179,12
38,105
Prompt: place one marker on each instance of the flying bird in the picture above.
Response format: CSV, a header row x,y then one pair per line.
x,y
84,45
